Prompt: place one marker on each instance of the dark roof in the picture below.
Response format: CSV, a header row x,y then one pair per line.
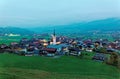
x,y
97,42
99,56
74,49
110,50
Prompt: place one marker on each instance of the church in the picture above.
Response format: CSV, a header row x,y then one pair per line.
x,y
54,40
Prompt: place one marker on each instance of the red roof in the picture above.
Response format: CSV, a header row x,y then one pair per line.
x,y
113,45
50,49
118,48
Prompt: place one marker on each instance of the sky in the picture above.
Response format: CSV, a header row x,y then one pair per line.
x,y
29,13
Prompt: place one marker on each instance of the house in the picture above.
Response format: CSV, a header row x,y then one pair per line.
x,y
36,51
22,51
14,45
5,48
99,57
97,44
30,51
24,42
89,48
112,45
110,50
49,52
61,48
74,51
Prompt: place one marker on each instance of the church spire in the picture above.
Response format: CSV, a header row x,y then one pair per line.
x,y
54,32
54,38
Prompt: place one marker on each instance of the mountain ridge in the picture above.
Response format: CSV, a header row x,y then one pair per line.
x,y
110,24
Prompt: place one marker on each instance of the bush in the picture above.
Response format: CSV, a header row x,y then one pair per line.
x,y
114,59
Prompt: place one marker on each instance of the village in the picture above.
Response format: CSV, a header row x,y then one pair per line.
x,y
62,45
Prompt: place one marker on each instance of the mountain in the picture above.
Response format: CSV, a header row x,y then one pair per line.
x,y
110,24
15,30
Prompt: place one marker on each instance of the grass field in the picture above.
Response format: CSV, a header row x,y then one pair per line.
x,y
66,67
8,40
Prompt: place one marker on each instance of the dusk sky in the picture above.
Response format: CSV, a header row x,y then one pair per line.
x,y
55,12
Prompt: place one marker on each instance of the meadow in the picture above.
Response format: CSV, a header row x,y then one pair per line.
x,y
7,39
66,67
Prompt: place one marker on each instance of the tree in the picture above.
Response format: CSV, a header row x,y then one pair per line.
x,y
114,59
100,50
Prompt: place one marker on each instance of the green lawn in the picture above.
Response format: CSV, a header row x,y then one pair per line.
x,y
66,67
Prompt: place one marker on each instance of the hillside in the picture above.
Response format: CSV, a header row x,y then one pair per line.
x,y
66,67
110,24
15,30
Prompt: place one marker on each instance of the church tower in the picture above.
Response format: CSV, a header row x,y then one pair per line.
x,y
54,38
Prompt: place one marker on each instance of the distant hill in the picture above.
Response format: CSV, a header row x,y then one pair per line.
x,y
15,30
110,24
